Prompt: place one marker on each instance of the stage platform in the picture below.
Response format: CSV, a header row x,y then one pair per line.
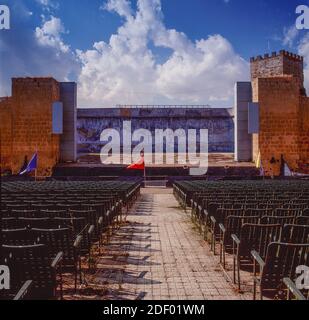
x,y
219,165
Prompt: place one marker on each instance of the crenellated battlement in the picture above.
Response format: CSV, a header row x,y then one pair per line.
x,y
278,64
281,53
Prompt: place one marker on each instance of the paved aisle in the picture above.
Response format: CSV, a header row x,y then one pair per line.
x,y
158,255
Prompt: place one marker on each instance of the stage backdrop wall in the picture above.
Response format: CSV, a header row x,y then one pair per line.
x,y
219,122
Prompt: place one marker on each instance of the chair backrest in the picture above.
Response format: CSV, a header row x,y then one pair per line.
x,y
58,240
233,225
21,206
306,212
100,207
297,234
53,213
282,220
258,212
303,220
30,263
91,216
77,225
281,261
42,206
222,214
24,213
18,237
212,207
32,223
287,212
257,237
67,206
10,223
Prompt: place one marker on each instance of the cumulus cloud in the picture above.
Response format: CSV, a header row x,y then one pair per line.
x,y
123,8
303,50
125,71
48,5
298,41
50,34
290,34
41,52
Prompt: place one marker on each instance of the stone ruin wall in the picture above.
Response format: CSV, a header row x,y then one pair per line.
x,y
26,125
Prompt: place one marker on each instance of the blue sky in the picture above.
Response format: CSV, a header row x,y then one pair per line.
x,y
147,51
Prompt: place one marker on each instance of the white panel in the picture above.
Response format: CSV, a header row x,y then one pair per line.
x,y
57,118
254,118
243,140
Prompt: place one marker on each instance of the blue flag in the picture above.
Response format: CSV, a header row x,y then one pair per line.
x,y
262,171
32,165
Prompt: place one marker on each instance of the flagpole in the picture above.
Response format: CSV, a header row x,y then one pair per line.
x,y
144,173
36,169
143,157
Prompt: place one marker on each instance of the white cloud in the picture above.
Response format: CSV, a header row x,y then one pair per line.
x,y
125,71
298,41
43,2
303,50
28,53
50,34
122,7
48,5
290,35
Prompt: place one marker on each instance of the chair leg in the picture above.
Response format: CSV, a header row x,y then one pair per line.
x,y
238,274
61,287
89,258
210,240
75,279
234,268
80,271
205,232
224,264
100,243
200,223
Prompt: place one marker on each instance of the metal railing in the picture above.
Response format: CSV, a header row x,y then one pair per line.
x,y
148,106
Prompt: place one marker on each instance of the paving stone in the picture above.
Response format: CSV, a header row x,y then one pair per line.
x,y
158,255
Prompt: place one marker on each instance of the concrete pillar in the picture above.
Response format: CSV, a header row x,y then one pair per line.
x,y
243,140
68,96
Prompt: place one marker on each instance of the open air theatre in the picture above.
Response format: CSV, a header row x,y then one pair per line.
x,y
75,228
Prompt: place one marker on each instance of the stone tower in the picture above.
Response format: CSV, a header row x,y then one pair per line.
x,y
278,87
279,64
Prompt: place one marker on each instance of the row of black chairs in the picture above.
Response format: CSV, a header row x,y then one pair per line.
x,y
258,226
45,232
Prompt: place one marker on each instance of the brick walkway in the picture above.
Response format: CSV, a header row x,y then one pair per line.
x,y
158,255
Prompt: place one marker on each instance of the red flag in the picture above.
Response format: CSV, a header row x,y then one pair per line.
x,y
140,165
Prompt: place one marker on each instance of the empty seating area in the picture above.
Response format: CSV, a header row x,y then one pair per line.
x,y
48,228
258,228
